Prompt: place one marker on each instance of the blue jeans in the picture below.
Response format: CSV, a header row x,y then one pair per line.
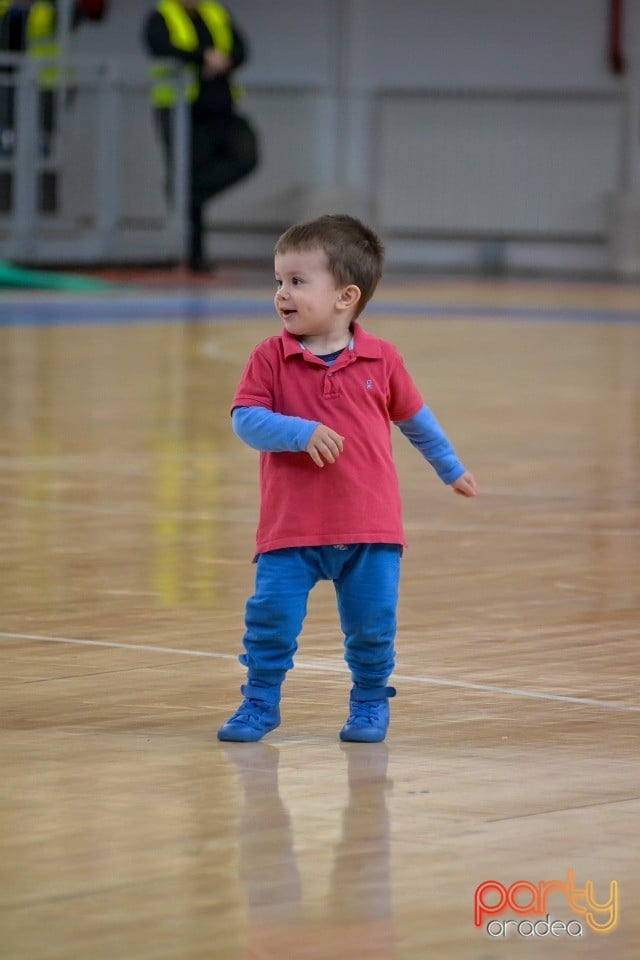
x,y
366,578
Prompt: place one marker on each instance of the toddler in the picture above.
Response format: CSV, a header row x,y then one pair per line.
x,y
318,400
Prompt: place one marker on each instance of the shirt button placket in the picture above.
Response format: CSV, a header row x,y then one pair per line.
x,y
331,388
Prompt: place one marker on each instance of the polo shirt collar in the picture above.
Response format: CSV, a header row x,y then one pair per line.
x,y
364,344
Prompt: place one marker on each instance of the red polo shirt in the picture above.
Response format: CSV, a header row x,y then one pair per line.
x,y
357,498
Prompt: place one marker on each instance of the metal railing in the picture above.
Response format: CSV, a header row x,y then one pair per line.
x,y
31,157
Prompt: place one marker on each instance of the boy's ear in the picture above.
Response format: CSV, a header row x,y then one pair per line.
x,y
349,296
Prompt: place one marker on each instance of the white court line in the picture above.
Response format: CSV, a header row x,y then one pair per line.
x,y
324,667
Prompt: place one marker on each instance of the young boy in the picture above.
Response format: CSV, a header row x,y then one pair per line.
x,y
317,401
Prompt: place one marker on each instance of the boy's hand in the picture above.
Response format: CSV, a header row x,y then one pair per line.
x,y
465,485
324,444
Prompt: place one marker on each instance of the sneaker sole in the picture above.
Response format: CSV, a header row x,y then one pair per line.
x,y
243,736
362,736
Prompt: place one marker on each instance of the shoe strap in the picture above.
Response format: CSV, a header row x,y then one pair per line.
x,y
372,693
268,694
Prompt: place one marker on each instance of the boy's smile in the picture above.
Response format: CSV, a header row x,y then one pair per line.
x,y
309,302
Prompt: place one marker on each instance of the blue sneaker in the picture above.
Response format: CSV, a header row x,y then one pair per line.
x,y
252,719
368,720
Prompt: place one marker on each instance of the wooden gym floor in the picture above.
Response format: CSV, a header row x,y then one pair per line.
x,y
127,514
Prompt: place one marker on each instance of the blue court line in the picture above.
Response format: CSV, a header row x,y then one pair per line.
x,y
100,310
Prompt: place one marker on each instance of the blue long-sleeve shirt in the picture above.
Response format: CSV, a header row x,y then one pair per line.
x,y
264,429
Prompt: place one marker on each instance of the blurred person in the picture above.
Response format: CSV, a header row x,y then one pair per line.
x,y
223,144
33,27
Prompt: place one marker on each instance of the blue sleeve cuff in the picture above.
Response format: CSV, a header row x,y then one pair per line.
x,y
271,432
427,436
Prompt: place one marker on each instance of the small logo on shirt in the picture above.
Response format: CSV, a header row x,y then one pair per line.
x,y
369,384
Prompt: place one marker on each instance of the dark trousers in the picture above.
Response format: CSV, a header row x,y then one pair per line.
x,y
224,150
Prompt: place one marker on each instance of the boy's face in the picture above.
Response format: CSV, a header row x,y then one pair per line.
x,y
309,302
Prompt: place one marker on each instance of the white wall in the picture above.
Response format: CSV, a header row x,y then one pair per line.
x,y
379,107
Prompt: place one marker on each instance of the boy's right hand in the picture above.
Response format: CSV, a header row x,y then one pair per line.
x,y
324,444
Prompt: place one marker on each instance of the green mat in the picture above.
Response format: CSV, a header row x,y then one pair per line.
x,y
12,276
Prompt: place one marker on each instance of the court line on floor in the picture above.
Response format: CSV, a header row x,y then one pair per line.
x,y
322,667
181,308
579,806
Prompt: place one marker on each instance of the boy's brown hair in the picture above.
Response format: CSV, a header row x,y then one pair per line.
x,y
354,252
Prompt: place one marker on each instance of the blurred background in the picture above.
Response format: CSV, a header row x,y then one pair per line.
x,y
499,136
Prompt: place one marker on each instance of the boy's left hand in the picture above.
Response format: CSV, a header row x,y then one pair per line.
x,y
465,485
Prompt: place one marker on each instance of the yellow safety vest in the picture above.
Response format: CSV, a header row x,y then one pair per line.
x,y
183,35
42,41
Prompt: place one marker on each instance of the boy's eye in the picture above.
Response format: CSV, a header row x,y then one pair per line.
x,y
296,280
